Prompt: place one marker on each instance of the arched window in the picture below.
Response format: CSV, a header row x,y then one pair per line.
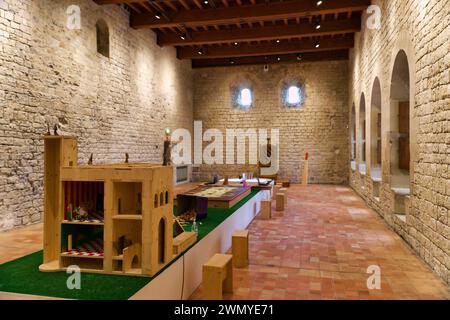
x,y
161,240
245,98
242,95
292,94
102,38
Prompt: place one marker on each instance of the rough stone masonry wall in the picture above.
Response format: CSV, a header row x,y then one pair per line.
x,y
421,29
116,105
319,126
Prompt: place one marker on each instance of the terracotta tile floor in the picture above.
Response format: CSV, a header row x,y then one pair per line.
x,y
320,248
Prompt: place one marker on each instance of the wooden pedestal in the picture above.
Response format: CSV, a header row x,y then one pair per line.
x,y
279,198
266,209
284,191
217,276
240,248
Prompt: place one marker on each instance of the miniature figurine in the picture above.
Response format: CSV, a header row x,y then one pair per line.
x,y
69,213
55,130
127,157
91,159
48,130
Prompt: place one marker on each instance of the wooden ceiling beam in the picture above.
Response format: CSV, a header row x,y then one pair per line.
x,y
252,13
262,33
293,58
246,50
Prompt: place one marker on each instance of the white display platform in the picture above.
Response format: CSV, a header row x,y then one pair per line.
x,y
183,276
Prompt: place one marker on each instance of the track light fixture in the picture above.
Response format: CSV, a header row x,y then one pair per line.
x,y
278,59
299,57
317,24
317,44
201,51
183,36
319,3
158,15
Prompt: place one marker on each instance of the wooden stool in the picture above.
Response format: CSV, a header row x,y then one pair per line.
x,y
284,191
266,209
275,190
279,198
240,248
217,276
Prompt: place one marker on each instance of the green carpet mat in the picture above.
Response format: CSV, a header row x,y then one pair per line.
x,y
23,275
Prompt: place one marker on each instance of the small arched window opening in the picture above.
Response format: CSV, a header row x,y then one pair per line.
x,y
102,38
167,197
292,94
242,95
161,240
245,98
155,203
161,199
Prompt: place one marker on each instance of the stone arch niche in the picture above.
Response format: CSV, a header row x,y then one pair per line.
x,y
362,135
375,130
102,36
161,240
353,138
399,116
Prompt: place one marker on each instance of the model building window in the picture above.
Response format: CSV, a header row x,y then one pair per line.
x,y
242,96
102,38
292,94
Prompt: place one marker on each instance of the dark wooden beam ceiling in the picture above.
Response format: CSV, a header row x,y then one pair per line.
x,y
293,58
234,32
248,13
271,48
258,33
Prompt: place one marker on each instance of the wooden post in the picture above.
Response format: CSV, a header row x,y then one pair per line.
x,y
284,191
266,209
240,248
279,202
305,171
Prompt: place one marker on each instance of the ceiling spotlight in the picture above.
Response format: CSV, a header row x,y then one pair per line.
x,y
278,40
183,36
201,51
236,43
231,61
317,45
206,2
158,15
318,26
318,3
278,59
299,57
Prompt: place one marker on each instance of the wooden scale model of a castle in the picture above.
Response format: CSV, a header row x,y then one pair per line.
x,y
110,218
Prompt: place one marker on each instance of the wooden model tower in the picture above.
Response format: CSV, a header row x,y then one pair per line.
x,y
109,218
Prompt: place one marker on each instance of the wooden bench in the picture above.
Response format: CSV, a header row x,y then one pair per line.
x,y
217,276
240,248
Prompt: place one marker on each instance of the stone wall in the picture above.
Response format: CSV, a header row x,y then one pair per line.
x,y
319,126
113,105
421,30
